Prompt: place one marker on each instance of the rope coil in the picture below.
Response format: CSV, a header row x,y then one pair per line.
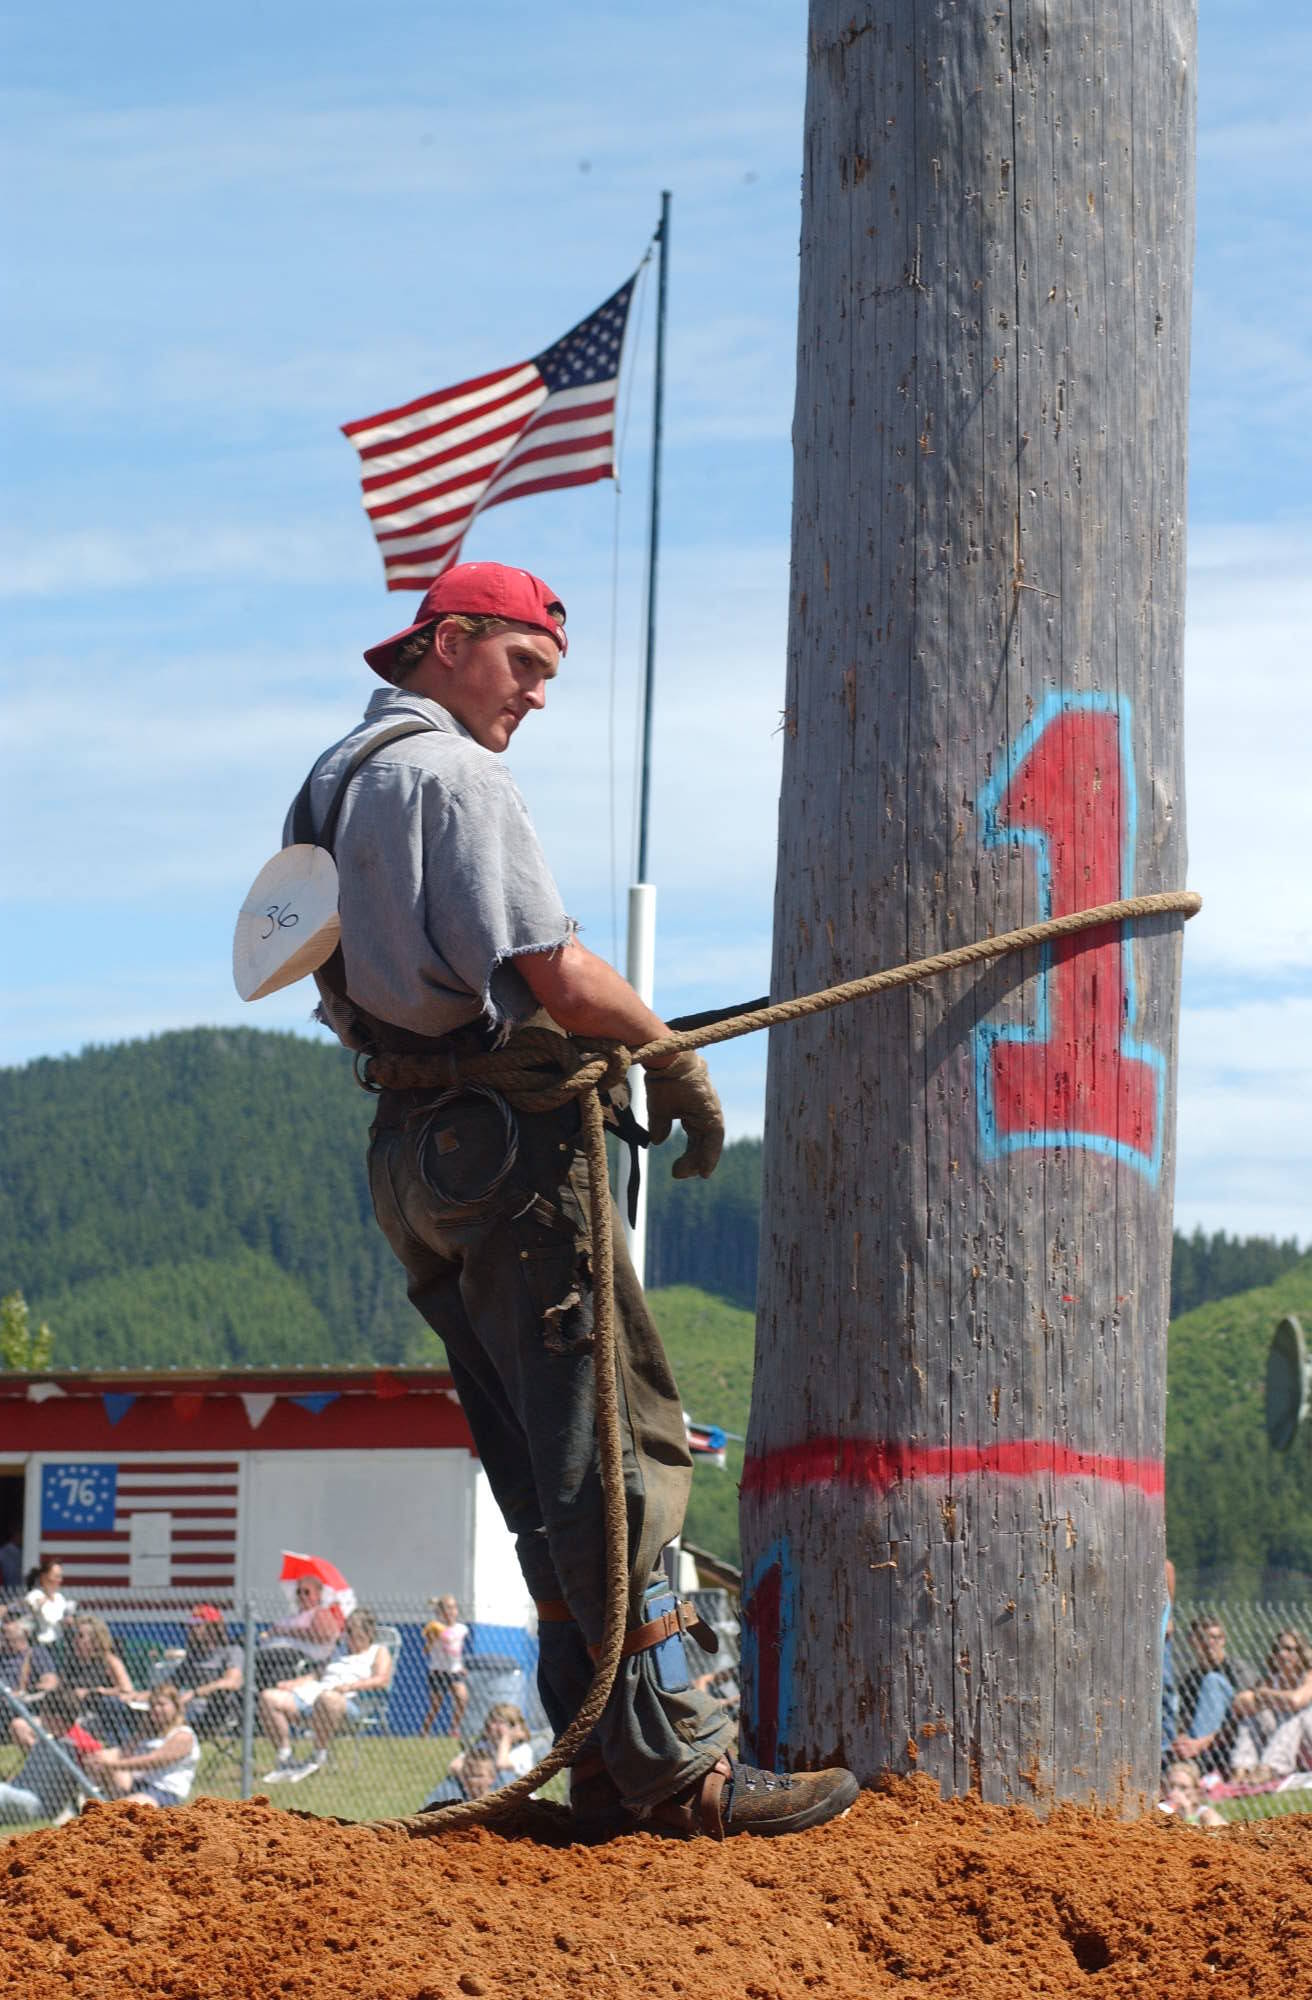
x,y
517,1072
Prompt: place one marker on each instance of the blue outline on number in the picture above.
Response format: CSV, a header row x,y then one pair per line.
x,y
995,834
778,1552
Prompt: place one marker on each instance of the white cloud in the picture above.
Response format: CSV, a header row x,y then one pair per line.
x,y
36,563
1248,722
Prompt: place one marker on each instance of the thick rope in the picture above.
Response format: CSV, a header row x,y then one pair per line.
x,y
517,1071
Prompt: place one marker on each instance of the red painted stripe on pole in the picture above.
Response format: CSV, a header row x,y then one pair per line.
x,y
879,1464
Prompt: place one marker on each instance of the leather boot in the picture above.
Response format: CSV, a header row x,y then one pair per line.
x,y
736,1798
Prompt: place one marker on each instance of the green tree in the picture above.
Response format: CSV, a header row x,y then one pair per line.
x,y
23,1347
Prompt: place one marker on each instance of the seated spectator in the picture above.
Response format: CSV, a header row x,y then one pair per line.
x,y
312,1633
444,1651
1209,1681
326,1698
24,1668
477,1776
97,1680
1182,1796
209,1675
162,1770
46,1785
100,1682
1170,1725
1275,1731
504,1738
45,1599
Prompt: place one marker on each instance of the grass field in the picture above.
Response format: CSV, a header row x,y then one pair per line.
x,y
366,1778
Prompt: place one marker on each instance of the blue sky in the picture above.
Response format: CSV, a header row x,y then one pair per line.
x,y
240,227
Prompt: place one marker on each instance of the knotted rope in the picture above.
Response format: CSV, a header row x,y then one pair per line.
x,y
517,1071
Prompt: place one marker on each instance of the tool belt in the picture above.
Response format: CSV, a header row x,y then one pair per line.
x,y
534,1070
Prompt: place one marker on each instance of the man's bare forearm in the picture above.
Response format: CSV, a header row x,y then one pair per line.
x,y
586,996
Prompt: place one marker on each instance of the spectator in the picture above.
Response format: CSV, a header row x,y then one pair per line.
x,y
162,1770
46,1785
11,1560
1170,1692
504,1738
97,1680
1207,1689
45,1599
209,1675
476,1777
24,1668
326,1698
100,1682
1182,1796
1275,1733
444,1651
311,1633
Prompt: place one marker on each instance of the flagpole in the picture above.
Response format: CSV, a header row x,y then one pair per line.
x,y
641,957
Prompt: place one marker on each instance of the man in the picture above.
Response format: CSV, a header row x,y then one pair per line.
x,y
1208,1686
454,937
46,1784
209,1676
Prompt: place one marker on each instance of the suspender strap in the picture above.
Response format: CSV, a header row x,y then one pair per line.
x,y
685,1617
553,1611
302,815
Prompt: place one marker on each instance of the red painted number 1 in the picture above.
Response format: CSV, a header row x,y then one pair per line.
x,y
1076,1077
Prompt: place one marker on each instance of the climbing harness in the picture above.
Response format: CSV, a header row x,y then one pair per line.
x,y
522,1071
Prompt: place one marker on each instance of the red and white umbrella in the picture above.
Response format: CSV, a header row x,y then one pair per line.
x,y
336,1590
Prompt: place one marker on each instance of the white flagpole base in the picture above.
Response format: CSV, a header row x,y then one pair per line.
x,y
640,970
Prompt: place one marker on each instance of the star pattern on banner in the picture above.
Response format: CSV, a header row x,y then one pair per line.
x,y
78,1495
590,351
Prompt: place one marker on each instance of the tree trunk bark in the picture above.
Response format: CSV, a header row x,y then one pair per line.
x,y
953,1498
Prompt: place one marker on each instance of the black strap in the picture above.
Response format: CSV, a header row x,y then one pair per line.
x,y
302,813
333,970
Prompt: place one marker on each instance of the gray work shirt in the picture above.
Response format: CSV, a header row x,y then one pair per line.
x,y
441,878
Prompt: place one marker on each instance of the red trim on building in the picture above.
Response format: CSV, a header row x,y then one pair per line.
x,y
422,1419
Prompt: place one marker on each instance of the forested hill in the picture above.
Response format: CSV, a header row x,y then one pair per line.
x,y
200,1198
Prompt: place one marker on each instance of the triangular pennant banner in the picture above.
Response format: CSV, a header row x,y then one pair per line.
x,y
117,1406
387,1388
257,1405
41,1392
186,1407
319,1401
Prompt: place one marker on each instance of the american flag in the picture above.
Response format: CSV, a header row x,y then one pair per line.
x,y
168,1523
429,467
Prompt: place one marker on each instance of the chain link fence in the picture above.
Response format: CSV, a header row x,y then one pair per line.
x,y
401,1710
1237,1704
398,1711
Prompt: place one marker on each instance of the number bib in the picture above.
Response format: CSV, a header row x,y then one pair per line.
x,y
288,924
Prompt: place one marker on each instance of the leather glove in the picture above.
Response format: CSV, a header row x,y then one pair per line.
x,y
684,1091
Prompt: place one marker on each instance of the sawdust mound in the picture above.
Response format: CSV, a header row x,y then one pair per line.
x,y
907,1895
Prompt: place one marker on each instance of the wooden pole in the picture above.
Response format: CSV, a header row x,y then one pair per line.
x,y
952,1504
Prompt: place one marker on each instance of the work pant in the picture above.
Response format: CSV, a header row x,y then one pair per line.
x,y
505,1279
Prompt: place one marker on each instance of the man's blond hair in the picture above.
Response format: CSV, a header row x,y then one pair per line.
x,y
475,625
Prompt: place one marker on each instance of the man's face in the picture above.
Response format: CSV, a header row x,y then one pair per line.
x,y
14,1637
491,683
309,1590
1209,1644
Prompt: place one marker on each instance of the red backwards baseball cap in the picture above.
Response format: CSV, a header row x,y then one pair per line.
x,y
479,590
206,1614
